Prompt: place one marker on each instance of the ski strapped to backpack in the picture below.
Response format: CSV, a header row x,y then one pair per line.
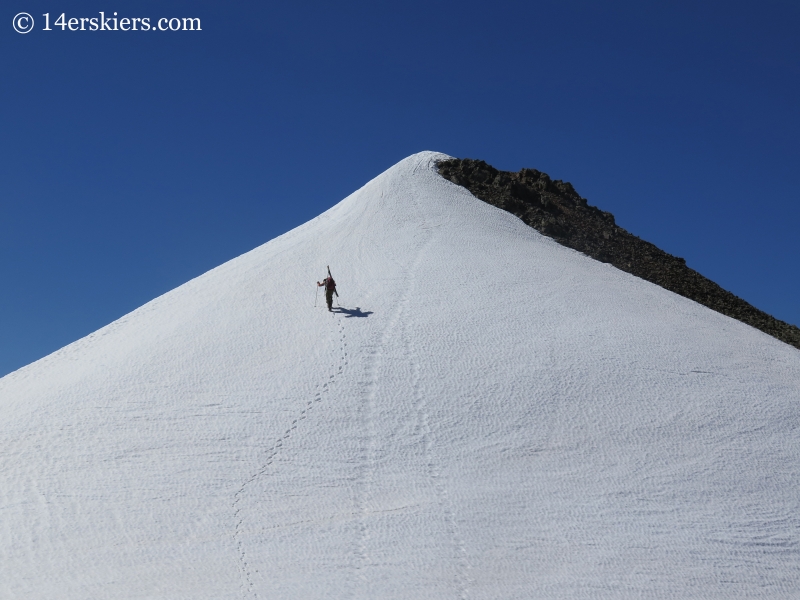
x,y
331,282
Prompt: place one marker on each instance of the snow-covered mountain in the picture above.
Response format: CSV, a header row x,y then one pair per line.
x,y
488,415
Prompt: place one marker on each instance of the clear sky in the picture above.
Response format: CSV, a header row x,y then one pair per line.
x,y
132,161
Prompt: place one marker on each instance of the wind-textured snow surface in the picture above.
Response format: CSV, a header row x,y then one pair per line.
x,y
490,415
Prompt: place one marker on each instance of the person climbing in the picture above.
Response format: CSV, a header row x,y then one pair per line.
x,y
330,289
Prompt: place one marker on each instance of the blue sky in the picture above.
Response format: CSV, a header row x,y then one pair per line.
x,y
131,162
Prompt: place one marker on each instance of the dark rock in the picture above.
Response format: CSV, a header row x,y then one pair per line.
x,y
555,209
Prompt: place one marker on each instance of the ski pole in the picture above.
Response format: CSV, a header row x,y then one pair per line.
x,y
316,295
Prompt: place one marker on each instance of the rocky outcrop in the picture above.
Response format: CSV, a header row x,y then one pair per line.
x,y
555,209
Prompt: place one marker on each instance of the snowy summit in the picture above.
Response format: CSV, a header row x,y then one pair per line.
x,y
487,414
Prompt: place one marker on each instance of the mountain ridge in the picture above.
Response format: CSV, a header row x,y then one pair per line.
x,y
555,209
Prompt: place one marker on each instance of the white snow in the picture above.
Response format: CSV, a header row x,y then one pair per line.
x,y
492,416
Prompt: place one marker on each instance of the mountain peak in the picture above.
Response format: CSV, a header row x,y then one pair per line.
x,y
486,413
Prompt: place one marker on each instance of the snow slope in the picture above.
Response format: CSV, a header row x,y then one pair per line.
x,y
491,415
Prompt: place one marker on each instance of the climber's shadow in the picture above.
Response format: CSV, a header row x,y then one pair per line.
x,y
352,312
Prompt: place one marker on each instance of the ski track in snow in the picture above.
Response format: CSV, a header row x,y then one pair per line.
x,y
323,390
433,471
396,329
367,415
